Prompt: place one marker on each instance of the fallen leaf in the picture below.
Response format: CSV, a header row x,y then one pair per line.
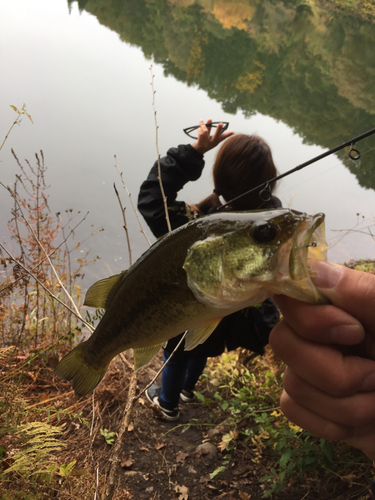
x,y
234,434
80,472
180,457
184,492
131,427
159,446
143,448
141,401
126,460
243,495
205,479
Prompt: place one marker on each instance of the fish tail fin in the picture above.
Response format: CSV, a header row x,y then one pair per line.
x,y
76,370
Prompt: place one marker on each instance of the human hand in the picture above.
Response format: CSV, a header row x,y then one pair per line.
x,y
329,350
205,140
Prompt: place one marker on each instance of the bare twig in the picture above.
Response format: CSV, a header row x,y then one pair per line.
x,y
31,357
45,401
95,463
90,327
157,151
131,201
115,459
17,121
45,253
125,361
45,258
162,368
125,225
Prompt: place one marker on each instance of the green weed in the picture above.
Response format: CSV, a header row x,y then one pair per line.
x,y
249,401
108,436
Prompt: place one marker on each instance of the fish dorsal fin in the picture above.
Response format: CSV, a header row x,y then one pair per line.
x,y
200,334
99,294
144,355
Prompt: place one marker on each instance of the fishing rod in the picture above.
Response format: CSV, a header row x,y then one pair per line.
x,y
265,191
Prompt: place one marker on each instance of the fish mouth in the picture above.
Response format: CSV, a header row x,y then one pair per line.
x,y
308,243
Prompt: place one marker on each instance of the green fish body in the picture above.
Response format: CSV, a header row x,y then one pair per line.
x,y
190,279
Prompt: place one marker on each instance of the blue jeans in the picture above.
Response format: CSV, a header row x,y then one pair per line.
x,y
178,375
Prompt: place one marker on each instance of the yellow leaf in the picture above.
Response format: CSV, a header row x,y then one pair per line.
x,y
276,414
295,427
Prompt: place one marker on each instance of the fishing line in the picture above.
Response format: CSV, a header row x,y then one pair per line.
x,y
265,189
344,162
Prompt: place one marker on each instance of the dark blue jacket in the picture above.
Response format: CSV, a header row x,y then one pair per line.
x,y
248,328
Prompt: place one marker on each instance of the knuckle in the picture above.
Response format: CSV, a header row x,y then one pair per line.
x,y
276,337
366,285
339,386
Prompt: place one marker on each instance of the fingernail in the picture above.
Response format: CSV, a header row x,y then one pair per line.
x,y
327,274
369,383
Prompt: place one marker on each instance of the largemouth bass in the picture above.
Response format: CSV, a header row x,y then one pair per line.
x,y
193,277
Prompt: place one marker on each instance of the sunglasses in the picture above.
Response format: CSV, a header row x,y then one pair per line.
x,y
189,130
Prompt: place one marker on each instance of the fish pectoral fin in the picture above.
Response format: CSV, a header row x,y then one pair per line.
x,y
99,294
200,334
144,355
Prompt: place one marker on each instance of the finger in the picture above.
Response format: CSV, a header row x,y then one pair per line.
x,y
362,437
322,365
216,135
353,291
321,323
225,135
355,410
202,125
202,130
219,137
312,422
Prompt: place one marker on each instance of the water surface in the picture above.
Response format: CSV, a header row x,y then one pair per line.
x,y
301,80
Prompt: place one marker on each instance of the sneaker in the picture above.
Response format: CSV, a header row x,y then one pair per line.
x,y
152,395
187,396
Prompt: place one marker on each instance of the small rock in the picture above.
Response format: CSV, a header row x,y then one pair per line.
x,y
213,432
208,450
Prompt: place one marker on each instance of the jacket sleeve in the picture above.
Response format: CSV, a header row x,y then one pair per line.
x,y
179,166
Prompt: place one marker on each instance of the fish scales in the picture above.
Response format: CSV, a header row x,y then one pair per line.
x,y
189,280
148,289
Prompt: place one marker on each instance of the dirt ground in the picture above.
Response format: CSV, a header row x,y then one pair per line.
x,y
163,460
173,460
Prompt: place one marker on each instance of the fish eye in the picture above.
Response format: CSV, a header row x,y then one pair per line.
x,y
265,233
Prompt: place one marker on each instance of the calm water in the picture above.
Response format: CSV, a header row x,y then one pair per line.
x,y
304,82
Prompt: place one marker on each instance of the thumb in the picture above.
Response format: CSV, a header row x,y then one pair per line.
x,y
350,290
